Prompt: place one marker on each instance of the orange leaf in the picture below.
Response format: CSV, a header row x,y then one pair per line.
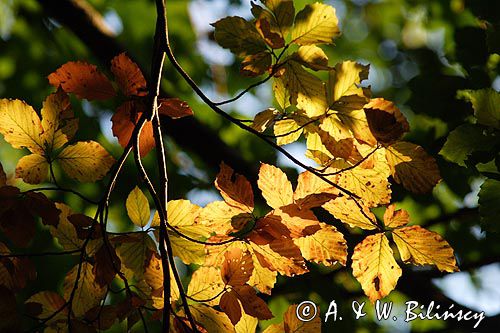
x,y
128,76
234,188
275,187
124,121
268,229
82,79
395,218
237,267
273,39
174,108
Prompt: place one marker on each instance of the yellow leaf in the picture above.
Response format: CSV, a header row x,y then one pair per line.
x,y
315,24
275,187
88,293
188,251
284,12
153,275
345,80
299,221
182,215
287,131
281,93
262,278
247,324
221,218
289,265
395,218
312,56
65,232
134,251
307,92
264,119
50,302
138,207
326,246
20,125
346,210
419,246
309,184
238,35
205,284
412,166
211,319
58,122
371,185
85,161
373,265
32,169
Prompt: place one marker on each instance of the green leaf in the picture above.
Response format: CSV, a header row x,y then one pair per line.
x,y
315,24
238,35
486,104
489,203
464,140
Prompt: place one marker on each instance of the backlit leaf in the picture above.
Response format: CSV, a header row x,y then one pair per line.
x,y
174,108
395,218
326,246
264,119
58,122
211,319
419,246
231,307
273,39
238,35
20,125
306,91
292,324
234,188
88,293
373,265
287,131
205,284
412,167
247,324
82,79
251,303
275,186
32,169
486,105
315,24
138,207
44,304
85,161
124,120
346,210
313,57
489,203
237,267
283,12
128,76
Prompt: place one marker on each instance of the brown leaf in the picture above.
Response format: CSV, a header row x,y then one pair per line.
x,y
273,39
106,265
234,188
268,229
256,64
83,225
237,267
128,76
124,120
252,304
18,224
174,108
41,206
82,79
386,122
230,305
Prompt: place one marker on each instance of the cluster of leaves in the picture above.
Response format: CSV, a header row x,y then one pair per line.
x,y
236,253
476,145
